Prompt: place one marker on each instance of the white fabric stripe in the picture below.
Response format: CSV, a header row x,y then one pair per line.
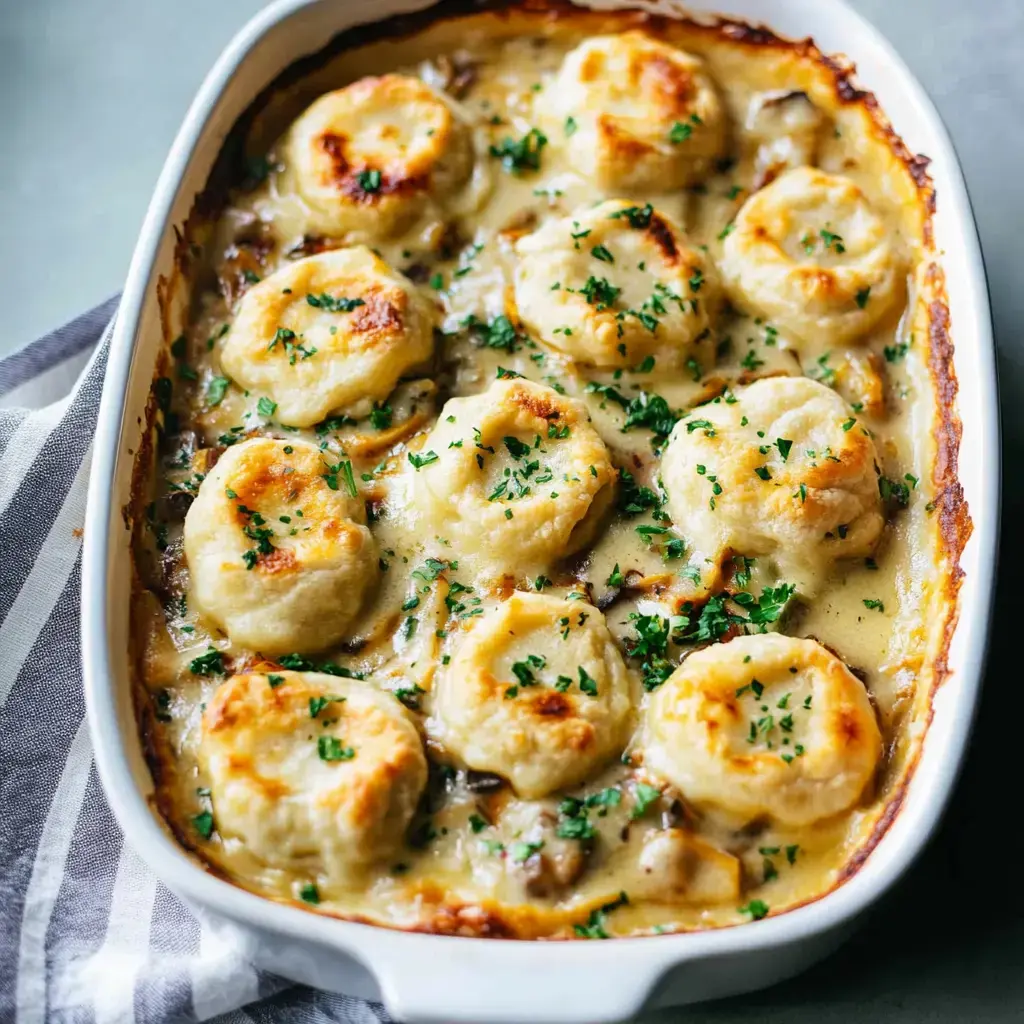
x,y
24,447
35,602
48,386
45,880
222,976
111,972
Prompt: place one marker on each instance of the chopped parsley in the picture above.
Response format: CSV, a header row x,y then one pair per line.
x,y
369,180
520,852
634,499
523,670
587,683
769,606
203,824
419,461
516,448
330,748
380,416
431,569
216,390
682,130
832,241
600,292
893,492
298,663
317,704
596,922
894,353
500,333
650,648
410,696
332,304
208,664
638,216
286,338
344,470
518,155
756,909
644,797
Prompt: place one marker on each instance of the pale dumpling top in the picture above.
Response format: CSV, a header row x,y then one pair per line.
x,y
645,116
781,468
328,333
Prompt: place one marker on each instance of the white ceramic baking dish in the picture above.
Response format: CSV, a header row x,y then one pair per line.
x,y
435,978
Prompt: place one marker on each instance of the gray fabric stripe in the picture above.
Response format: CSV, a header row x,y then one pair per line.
x,y
31,512
301,1005
165,992
39,721
175,929
79,918
54,348
165,997
79,1016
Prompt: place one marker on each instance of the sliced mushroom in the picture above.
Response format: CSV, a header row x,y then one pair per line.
x,y
557,863
785,126
677,866
454,74
860,378
483,782
245,264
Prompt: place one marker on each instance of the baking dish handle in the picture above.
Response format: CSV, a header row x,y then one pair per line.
x,y
458,983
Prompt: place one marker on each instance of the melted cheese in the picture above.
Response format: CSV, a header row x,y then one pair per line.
x,y
517,574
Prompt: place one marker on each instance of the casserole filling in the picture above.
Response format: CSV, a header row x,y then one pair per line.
x,y
543,534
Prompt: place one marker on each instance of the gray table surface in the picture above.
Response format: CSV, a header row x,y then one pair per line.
x,y
93,93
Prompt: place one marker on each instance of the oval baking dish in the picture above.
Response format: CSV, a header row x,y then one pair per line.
x,y
581,980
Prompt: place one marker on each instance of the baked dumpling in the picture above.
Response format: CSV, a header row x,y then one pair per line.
x,y
536,692
784,470
614,284
513,478
328,333
311,772
370,159
810,254
764,726
641,115
278,549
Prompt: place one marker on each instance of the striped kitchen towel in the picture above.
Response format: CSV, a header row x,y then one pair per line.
x,y
87,934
